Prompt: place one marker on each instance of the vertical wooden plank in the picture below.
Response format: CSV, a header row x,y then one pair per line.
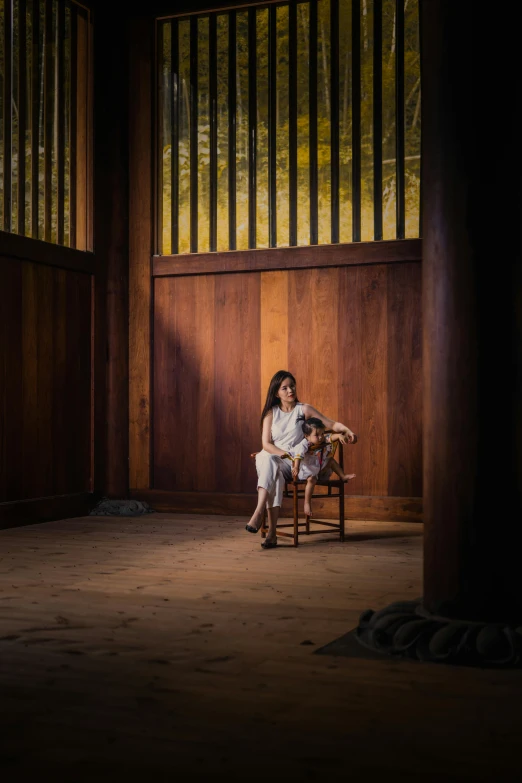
x,y
11,459
82,141
185,379
374,434
45,446
204,471
404,381
63,398
274,324
323,336
140,249
165,372
84,391
184,384
299,316
72,351
349,360
250,374
30,295
229,383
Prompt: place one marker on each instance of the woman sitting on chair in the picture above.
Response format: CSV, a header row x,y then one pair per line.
x,y
281,431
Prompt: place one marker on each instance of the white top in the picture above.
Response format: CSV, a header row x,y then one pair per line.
x,y
287,428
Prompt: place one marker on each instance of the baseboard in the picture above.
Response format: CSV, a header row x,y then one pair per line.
x,y
30,512
366,507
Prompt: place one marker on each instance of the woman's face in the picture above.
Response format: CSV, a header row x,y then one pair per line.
x,y
286,391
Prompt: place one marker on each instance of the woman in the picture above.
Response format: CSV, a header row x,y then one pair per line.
x,y
281,429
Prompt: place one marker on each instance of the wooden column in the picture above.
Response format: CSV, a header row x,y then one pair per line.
x,y
112,254
472,304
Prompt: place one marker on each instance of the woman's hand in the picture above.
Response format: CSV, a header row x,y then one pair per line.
x,y
295,470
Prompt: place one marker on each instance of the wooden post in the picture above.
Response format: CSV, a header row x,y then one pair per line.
x,y
471,612
471,314
112,255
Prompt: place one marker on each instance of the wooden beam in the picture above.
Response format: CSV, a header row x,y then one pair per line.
x,y
268,259
28,249
141,36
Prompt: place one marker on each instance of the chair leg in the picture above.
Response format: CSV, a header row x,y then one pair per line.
x,y
307,526
296,516
341,512
263,524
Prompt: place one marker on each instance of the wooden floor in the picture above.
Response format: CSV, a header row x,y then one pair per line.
x,y
172,648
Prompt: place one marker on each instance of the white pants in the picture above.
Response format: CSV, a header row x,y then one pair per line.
x,y
271,474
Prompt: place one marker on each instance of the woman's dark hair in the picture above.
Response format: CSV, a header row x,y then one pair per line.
x,y
312,424
271,397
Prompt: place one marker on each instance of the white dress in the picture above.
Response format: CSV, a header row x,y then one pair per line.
x,y
272,470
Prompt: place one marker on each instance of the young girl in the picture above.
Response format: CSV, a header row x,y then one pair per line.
x,y
312,458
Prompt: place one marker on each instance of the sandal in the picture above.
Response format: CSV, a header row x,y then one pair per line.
x,y
267,544
252,529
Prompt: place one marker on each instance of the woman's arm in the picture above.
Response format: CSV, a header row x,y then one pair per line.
x,y
347,436
266,436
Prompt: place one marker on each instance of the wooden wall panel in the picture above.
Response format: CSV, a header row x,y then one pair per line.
x,y
45,336
350,335
274,326
373,369
404,392
349,359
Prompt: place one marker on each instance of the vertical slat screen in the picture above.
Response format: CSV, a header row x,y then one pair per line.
x,y
232,127
399,92
45,138
312,93
22,114
272,126
356,120
60,135
194,135
377,117
334,124
174,99
7,124
292,76
322,101
213,131
252,127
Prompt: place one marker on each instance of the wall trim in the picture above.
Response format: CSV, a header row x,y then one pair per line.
x,y
36,510
364,507
39,252
266,259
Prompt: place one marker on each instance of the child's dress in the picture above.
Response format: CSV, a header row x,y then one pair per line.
x,y
313,458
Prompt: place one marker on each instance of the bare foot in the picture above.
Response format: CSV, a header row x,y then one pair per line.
x,y
307,510
348,476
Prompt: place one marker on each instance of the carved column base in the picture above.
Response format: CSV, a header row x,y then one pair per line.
x,y
406,630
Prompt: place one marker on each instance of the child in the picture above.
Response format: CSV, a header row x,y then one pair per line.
x,y
313,458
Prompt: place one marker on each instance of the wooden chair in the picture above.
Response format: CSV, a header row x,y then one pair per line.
x,y
295,490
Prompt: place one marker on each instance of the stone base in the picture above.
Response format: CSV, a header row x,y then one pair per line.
x,y
121,508
406,630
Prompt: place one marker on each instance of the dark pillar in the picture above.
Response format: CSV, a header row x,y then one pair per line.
x,y
471,312
112,254
472,308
